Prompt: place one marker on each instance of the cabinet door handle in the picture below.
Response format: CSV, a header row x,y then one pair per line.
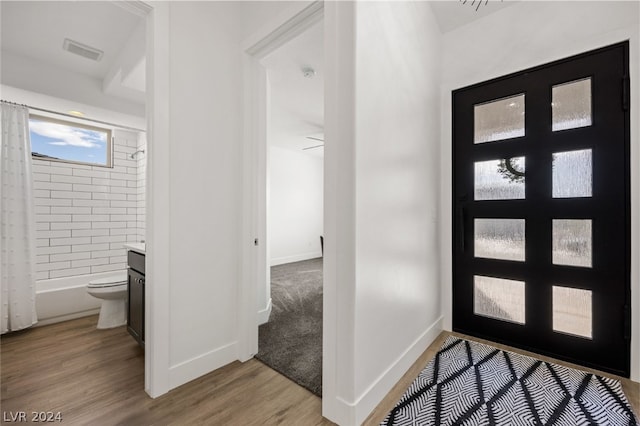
x,y
140,280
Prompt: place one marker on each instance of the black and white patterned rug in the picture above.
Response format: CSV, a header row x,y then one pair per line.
x,y
469,383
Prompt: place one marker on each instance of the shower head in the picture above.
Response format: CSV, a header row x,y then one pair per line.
x,y
138,151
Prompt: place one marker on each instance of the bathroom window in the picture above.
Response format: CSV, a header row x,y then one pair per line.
x,y
69,142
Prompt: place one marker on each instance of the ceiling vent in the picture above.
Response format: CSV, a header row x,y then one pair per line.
x,y
82,50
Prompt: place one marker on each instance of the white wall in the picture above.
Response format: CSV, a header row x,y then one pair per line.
x,y
525,35
194,208
388,132
295,205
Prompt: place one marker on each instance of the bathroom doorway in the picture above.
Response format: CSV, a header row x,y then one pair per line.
x,y
88,209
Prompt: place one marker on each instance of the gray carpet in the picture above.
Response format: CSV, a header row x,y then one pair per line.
x,y
291,342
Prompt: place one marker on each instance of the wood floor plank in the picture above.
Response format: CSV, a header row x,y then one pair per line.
x,y
96,377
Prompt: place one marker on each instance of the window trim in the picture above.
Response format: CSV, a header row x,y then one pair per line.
x,y
106,130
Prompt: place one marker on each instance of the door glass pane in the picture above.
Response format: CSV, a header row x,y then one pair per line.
x,y
571,105
499,298
572,242
499,179
499,119
499,238
572,174
572,311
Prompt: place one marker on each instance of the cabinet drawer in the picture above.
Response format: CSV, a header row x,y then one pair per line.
x,y
136,261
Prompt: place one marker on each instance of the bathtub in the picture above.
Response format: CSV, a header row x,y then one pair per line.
x,y
62,299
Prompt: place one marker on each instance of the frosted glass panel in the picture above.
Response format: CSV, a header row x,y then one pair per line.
x,y
499,179
499,238
499,298
572,242
571,105
572,311
498,120
572,174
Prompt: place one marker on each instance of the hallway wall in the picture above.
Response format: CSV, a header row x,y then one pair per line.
x,y
382,184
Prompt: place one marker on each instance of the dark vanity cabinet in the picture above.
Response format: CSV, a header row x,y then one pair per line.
x,y
135,310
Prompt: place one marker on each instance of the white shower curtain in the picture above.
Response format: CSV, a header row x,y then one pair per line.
x,y
18,242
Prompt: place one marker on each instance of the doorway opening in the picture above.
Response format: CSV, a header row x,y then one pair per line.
x,y
290,334
285,77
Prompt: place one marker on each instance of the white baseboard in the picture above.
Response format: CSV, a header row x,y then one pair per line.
x,y
264,314
199,366
295,258
354,413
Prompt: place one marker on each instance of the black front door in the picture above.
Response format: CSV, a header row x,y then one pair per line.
x,y
541,251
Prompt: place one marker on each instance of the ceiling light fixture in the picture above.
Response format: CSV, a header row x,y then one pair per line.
x,y
308,72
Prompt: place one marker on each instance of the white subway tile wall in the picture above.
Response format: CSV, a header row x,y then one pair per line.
x,y
85,213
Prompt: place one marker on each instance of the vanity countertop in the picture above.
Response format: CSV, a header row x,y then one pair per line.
x,y
137,247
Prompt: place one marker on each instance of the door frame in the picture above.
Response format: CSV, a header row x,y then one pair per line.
x,y
157,300
532,82
486,72
255,270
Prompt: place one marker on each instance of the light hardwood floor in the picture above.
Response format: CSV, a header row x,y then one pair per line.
x,y
96,377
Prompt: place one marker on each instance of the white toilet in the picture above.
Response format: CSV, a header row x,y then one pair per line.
x,y
113,292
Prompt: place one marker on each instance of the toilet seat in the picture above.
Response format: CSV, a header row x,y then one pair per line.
x,y
112,281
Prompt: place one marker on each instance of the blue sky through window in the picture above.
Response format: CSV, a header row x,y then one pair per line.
x,y
68,142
